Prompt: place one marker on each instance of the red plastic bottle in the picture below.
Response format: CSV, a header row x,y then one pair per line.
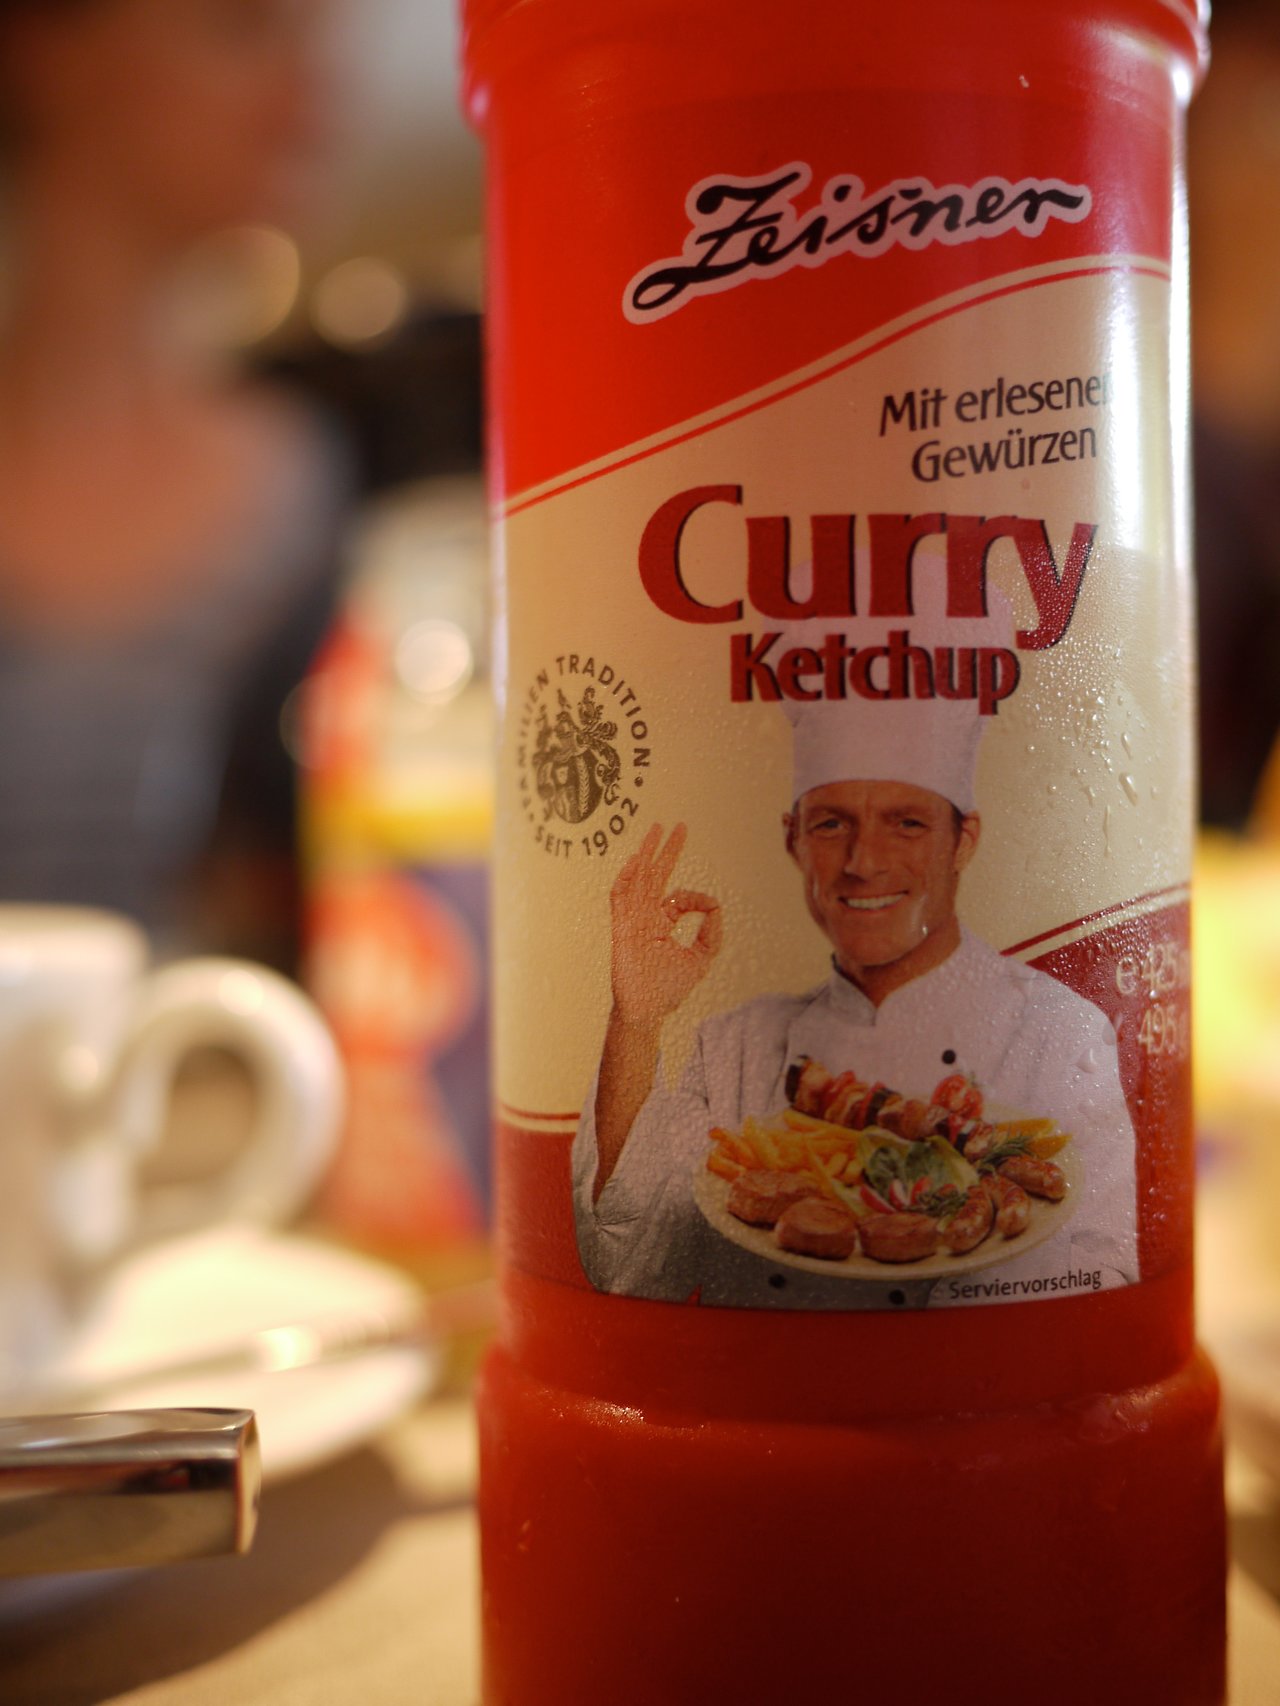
x,y
838,445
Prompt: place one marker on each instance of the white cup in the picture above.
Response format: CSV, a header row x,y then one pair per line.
x,y
90,1042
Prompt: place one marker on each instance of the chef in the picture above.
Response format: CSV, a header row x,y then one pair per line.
x,y
883,825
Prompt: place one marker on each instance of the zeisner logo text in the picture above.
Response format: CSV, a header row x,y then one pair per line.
x,y
764,666
744,228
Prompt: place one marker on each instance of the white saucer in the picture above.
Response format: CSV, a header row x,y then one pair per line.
x,y
200,1295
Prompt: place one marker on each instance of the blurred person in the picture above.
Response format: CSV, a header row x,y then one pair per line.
x,y
169,532
1234,192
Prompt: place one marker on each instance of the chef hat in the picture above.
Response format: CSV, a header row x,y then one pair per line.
x,y
929,742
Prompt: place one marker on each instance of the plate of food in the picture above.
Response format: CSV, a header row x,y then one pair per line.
x,y
857,1180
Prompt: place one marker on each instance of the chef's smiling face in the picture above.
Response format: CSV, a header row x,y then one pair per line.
x,y
881,863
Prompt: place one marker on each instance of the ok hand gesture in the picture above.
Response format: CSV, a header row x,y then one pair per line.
x,y
653,972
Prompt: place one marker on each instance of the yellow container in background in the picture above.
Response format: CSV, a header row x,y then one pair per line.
x,y
397,814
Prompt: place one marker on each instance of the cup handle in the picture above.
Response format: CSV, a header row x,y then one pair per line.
x,y
279,1033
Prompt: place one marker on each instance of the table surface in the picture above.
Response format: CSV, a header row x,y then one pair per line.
x,y
363,1587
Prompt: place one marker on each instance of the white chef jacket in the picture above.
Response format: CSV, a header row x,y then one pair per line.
x,y
1032,1045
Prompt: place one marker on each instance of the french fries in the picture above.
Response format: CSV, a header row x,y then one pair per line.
x,y
732,1147
723,1167
824,1135
816,1168
787,1145
793,1142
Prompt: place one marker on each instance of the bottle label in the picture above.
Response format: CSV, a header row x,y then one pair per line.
x,y
845,787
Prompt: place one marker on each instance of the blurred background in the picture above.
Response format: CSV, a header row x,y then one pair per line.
x,y
242,542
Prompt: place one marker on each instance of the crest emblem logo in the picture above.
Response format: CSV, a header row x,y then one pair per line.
x,y
582,755
575,763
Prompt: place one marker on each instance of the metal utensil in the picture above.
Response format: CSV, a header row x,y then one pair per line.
x,y
83,1488
120,1489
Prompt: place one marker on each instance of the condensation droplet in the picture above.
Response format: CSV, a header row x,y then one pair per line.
x,y
1130,788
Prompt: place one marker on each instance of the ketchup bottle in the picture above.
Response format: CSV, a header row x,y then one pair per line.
x,y
845,803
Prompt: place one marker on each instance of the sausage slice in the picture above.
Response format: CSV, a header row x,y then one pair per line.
x,y
970,1224
761,1196
818,1227
899,1237
1012,1205
1040,1178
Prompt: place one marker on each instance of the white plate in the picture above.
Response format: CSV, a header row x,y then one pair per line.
x,y
200,1295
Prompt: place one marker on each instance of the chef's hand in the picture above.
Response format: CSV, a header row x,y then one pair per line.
x,y
653,972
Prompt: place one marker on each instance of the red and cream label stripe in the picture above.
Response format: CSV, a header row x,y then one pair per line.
x,y
800,379
1124,912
